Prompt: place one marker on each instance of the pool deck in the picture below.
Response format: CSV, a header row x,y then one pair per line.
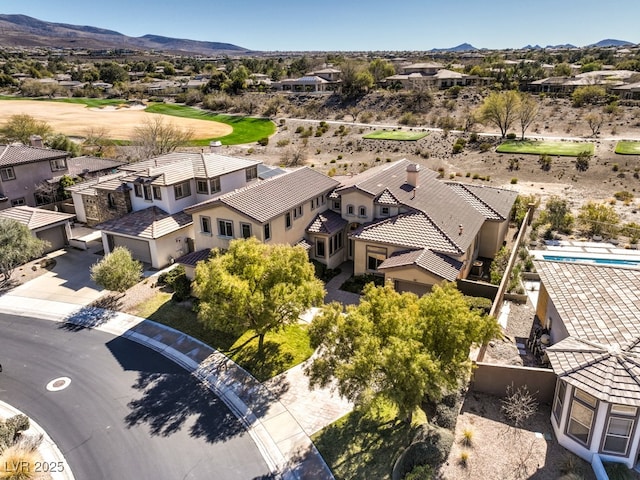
x,y
586,250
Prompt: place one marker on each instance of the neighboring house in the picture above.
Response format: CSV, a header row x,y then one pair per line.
x,y
430,74
395,220
141,206
54,227
324,80
277,210
609,79
592,314
23,168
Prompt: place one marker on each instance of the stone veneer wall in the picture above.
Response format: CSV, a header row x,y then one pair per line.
x,y
97,207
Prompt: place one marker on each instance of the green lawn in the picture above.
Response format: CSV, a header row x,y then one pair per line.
x,y
282,350
400,135
89,102
563,149
365,445
245,129
626,147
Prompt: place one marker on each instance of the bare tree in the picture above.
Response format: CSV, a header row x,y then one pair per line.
x,y
595,121
158,137
519,405
527,112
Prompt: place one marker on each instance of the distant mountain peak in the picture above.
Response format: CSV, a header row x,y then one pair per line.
x,y
463,47
610,42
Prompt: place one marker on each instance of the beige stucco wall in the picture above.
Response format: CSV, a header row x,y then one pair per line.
x,y
492,235
411,274
332,261
357,199
169,247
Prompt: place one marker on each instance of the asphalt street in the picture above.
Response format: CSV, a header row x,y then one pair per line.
x,y
127,413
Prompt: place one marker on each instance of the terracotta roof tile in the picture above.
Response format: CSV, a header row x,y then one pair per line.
x,y
328,222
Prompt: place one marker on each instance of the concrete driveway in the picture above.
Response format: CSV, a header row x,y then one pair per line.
x,y
69,281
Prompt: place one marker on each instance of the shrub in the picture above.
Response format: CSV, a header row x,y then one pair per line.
x,y
545,162
478,303
467,437
264,141
300,129
19,464
10,430
519,405
420,472
485,147
464,458
177,280
615,167
283,142
250,150
623,196
511,136
445,416
473,138
408,119
430,447
582,161
514,181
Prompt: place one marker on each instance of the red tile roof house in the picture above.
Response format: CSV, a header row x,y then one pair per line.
x,y
592,313
141,206
395,220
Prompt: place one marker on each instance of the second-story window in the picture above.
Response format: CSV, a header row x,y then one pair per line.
x,y
267,231
182,190
287,220
384,211
297,212
202,186
252,173
7,173
205,225
350,210
147,193
58,164
157,192
214,183
137,189
362,211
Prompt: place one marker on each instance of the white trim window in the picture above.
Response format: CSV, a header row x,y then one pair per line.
x,y
350,210
58,164
362,211
157,192
7,173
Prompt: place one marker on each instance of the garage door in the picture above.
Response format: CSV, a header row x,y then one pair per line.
x,y
55,236
139,248
413,287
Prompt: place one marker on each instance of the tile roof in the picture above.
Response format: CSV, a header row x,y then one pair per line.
x,y
304,243
387,198
34,218
18,154
493,203
113,181
180,166
597,303
87,164
151,223
270,198
328,222
411,230
436,199
607,372
436,263
191,259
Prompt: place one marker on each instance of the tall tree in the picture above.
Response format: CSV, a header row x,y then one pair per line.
x,y
501,109
557,213
17,246
117,271
20,127
527,112
157,136
397,346
381,69
256,286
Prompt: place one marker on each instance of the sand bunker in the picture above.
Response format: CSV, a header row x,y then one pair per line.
x,y
118,123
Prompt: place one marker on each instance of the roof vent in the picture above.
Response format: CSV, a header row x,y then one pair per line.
x,y
460,229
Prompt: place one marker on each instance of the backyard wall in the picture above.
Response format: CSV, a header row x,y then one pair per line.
x,y
494,379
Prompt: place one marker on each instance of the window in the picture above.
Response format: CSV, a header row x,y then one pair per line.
x,y
202,186
267,231
205,225
583,408
147,192
619,429
7,173
157,192
137,189
225,228
214,183
111,200
320,253
251,173
384,211
182,190
362,211
246,230
287,220
350,210
375,256
58,164
16,202
335,243
558,401
336,204
297,212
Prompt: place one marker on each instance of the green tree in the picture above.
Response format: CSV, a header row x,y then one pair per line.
x,y
111,72
381,69
396,346
557,214
256,286
117,271
562,70
356,80
20,127
62,142
598,219
501,109
17,246
588,94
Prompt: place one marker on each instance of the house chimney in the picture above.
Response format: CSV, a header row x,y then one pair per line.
x,y
36,141
413,171
214,146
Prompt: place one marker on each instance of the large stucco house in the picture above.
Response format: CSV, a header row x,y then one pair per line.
x,y
397,220
592,314
141,207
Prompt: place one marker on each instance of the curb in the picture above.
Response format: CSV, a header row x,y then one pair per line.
x,y
51,454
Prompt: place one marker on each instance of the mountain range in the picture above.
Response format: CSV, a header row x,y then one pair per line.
x,y
24,31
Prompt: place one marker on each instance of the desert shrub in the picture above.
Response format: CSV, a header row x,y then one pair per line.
x,y
250,150
283,142
177,280
446,123
485,147
499,265
582,161
431,447
454,91
445,416
615,167
589,94
473,138
511,136
545,162
408,119
459,145
467,437
420,472
264,141
623,196
300,129
514,181
519,405
10,430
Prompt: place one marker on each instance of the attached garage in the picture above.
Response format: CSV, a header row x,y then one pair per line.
x,y
139,249
55,236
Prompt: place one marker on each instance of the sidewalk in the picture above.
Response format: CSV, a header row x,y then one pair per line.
x,y
283,442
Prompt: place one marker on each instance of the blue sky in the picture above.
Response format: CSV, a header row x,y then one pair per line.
x,y
353,24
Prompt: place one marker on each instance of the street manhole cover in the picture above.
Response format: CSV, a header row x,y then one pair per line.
x,y
58,384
